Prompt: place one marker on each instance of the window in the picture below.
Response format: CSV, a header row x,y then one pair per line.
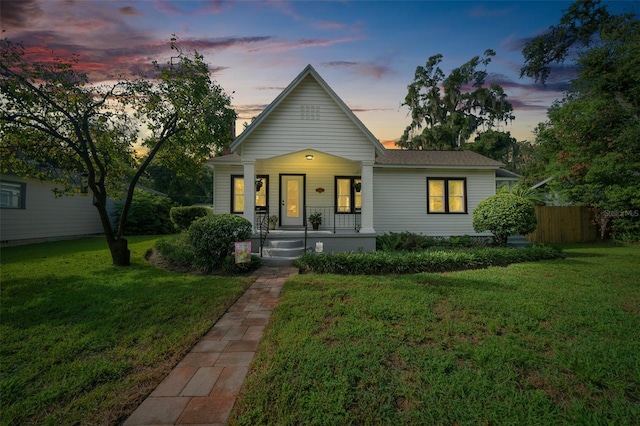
x,y
348,194
12,195
238,189
445,195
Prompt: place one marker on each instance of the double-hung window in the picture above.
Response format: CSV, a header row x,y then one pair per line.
x,y
12,195
238,191
446,195
348,194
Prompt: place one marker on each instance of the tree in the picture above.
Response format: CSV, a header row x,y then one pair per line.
x,y
590,142
57,126
500,146
446,118
185,189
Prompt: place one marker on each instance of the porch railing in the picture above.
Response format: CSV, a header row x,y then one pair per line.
x,y
332,221
262,220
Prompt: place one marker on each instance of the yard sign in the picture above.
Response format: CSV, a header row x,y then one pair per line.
x,y
243,252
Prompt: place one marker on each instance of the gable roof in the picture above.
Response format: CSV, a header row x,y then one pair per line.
x,y
423,158
507,175
307,71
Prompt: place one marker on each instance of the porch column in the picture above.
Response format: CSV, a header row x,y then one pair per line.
x,y
366,214
249,192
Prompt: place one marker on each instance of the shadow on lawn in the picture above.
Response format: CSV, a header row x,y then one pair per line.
x,y
452,280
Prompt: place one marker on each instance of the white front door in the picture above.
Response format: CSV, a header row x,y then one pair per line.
x,y
292,200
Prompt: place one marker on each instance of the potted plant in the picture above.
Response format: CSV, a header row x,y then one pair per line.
x,y
316,220
357,186
273,221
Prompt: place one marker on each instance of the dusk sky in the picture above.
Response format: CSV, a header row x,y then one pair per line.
x,y
367,51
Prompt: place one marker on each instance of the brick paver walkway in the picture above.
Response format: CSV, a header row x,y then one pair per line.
x,y
203,387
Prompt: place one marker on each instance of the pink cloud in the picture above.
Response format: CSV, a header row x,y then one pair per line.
x,y
368,69
293,44
329,25
15,14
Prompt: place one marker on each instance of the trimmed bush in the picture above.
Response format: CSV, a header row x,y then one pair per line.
x,y
433,260
212,238
182,217
177,253
407,241
504,215
148,214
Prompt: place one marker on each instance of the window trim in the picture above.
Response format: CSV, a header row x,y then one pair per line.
x,y
22,201
352,195
446,194
264,208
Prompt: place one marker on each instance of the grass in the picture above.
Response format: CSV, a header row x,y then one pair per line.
x,y
553,342
83,342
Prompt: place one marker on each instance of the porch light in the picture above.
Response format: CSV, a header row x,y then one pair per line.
x,y
309,156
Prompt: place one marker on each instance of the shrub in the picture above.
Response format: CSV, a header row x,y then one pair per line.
x,y
148,214
176,250
212,238
177,253
182,217
432,260
626,229
407,241
504,215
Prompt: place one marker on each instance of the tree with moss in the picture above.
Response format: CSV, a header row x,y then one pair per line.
x,y
447,110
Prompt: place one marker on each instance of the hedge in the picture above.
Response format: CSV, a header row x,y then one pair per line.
x,y
435,260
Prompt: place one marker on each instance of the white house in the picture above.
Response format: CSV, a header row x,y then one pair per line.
x,y
30,212
307,153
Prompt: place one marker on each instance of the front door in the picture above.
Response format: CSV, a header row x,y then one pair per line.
x,y
292,200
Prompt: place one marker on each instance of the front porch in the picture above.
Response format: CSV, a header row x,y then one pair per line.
x,y
337,233
298,187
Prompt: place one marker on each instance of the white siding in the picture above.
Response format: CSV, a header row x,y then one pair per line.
x,y
222,187
320,173
46,216
289,127
400,201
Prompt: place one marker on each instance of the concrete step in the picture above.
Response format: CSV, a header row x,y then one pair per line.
x,y
285,243
282,252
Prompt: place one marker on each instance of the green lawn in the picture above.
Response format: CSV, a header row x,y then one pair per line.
x,y
82,341
553,342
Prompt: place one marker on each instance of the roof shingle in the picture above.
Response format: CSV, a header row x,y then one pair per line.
x,y
402,157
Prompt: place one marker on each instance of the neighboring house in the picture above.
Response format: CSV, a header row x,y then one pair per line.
x,y
506,179
30,212
307,152
551,197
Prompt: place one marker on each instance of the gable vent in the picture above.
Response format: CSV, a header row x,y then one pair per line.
x,y
310,112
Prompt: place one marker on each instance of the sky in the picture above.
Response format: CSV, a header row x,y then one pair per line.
x,y
366,50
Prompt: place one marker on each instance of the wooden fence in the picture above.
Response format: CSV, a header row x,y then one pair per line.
x,y
566,224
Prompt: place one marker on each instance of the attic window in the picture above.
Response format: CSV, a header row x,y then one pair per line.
x,y
310,112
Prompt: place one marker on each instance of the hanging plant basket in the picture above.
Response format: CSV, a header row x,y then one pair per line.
x,y
259,184
357,186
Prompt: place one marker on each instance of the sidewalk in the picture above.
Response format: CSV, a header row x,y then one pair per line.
x,y
203,387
